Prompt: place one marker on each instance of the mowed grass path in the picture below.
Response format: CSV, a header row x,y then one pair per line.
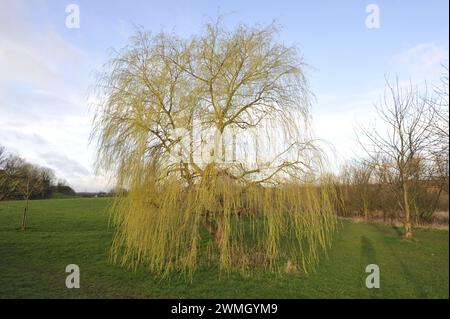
x,y
76,231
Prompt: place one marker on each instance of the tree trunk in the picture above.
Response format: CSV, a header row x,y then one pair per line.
x,y
24,216
407,211
213,229
365,209
234,144
416,214
222,138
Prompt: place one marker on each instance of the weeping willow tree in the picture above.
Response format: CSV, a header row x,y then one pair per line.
x,y
210,137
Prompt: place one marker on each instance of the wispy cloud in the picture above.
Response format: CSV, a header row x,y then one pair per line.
x,y
420,63
62,163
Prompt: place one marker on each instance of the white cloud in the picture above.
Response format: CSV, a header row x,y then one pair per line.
x,y
420,63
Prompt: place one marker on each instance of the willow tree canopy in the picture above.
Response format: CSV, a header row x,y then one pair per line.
x,y
210,137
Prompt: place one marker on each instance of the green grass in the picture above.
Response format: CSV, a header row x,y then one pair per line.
x,y
66,231
61,196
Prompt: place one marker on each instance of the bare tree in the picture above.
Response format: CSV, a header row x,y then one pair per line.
x,y
405,136
439,128
30,180
356,178
2,155
9,171
440,107
3,158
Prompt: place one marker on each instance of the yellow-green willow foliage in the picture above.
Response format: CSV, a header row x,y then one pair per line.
x,y
209,135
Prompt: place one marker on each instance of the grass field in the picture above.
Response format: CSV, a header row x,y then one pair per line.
x,y
75,231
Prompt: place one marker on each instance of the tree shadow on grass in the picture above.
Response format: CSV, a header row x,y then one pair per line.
x,y
398,230
368,253
368,256
405,269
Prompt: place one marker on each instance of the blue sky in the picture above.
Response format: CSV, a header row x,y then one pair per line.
x,y
46,68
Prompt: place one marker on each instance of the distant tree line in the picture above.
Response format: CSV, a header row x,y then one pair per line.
x,y
20,179
403,172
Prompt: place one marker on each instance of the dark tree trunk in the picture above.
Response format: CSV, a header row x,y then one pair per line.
x,y
24,216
